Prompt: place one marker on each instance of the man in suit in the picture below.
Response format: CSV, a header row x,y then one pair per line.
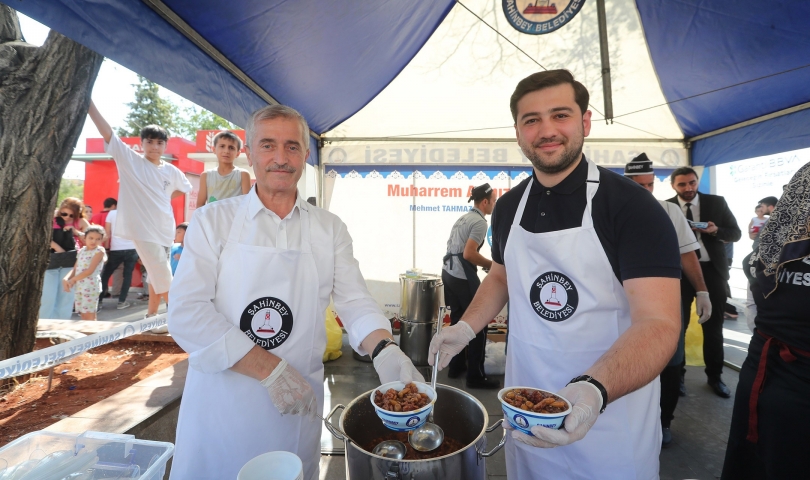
x,y
722,227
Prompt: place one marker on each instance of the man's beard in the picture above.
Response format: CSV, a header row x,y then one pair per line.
x,y
691,196
571,153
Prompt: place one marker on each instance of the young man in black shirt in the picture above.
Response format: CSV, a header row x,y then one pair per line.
x,y
593,288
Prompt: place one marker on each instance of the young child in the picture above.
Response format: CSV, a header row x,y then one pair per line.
x,y
86,274
226,180
147,185
177,248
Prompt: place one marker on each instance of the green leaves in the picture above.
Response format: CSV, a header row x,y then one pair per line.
x,y
149,108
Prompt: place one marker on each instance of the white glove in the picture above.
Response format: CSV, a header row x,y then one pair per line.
x,y
392,365
586,400
450,341
703,307
290,392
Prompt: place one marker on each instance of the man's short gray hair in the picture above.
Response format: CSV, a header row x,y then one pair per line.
x,y
271,112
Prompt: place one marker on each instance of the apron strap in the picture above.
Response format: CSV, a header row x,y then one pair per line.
x,y
592,186
449,257
522,204
787,354
306,245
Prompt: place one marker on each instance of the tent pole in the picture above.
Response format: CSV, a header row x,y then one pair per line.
x,y
603,49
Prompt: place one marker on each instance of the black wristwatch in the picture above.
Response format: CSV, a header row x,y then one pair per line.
x,y
380,346
594,382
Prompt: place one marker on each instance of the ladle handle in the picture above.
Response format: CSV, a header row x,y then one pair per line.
x,y
327,421
438,352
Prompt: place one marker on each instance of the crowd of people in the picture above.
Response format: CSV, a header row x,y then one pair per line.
x,y
87,249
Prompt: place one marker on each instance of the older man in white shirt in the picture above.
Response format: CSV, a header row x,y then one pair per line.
x,y
248,304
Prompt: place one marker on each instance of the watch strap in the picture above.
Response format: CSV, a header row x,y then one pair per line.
x,y
595,383
380,346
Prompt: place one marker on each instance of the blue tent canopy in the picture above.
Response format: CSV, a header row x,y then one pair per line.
x,y
326,59
720,64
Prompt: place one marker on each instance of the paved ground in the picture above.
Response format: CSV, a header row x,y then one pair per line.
x,y
136,311
700,428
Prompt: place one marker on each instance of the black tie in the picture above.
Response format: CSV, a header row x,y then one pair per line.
x,y
691,219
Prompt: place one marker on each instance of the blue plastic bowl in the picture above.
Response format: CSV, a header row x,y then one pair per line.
x,y
404,421
524,420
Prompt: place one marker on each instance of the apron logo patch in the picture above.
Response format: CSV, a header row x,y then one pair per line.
x,y
554,297
267,321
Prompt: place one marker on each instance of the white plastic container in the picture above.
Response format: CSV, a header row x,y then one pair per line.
x,y
273,466
49,455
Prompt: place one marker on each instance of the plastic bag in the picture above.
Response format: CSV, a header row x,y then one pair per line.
x,y
694,341
334,336
495,358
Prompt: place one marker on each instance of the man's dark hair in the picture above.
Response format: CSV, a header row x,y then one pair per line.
x,y
683,171
770,201
110,202
154,132
183,225
230,136
549,78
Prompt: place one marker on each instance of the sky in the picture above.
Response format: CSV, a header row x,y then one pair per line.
x,y
111,93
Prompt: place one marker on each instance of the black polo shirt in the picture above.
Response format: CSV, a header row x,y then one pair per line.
x,y
634,230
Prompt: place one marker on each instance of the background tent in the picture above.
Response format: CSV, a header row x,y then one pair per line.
x,y
680,70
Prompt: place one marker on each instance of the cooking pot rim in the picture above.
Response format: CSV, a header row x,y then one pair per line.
x,y
367,394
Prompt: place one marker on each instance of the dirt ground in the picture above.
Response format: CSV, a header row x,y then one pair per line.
x,y
79,383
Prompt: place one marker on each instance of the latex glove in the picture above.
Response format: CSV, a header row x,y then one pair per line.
x,y
392,365
450,341
703,307
290,392
586,400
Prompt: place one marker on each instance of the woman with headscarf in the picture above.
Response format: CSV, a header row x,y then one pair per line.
x,y
68,227
770,424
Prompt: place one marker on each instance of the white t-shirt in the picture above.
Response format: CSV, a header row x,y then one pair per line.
x,y
116,242
686,237
145,194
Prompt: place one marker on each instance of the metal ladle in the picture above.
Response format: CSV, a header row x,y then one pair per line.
x,y
429,436
391,449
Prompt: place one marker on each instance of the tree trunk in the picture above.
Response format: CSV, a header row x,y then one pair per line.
x,y
44,97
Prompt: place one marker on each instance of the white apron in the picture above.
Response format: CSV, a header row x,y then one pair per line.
x,y
566,308
227,418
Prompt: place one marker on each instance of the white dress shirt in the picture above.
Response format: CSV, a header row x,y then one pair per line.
x,y
695,207
215,343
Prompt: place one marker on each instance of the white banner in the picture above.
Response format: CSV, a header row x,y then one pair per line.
x,y
48,357
493,154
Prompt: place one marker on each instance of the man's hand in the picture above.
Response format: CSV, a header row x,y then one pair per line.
x,y
703,307
711,229
586,400
450,341
392,365
290,392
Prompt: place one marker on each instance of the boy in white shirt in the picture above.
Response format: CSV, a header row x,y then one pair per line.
x,y
226,180
147,186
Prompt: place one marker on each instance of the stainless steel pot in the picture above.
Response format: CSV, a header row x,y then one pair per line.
x,y
414,340
419,298
461,416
